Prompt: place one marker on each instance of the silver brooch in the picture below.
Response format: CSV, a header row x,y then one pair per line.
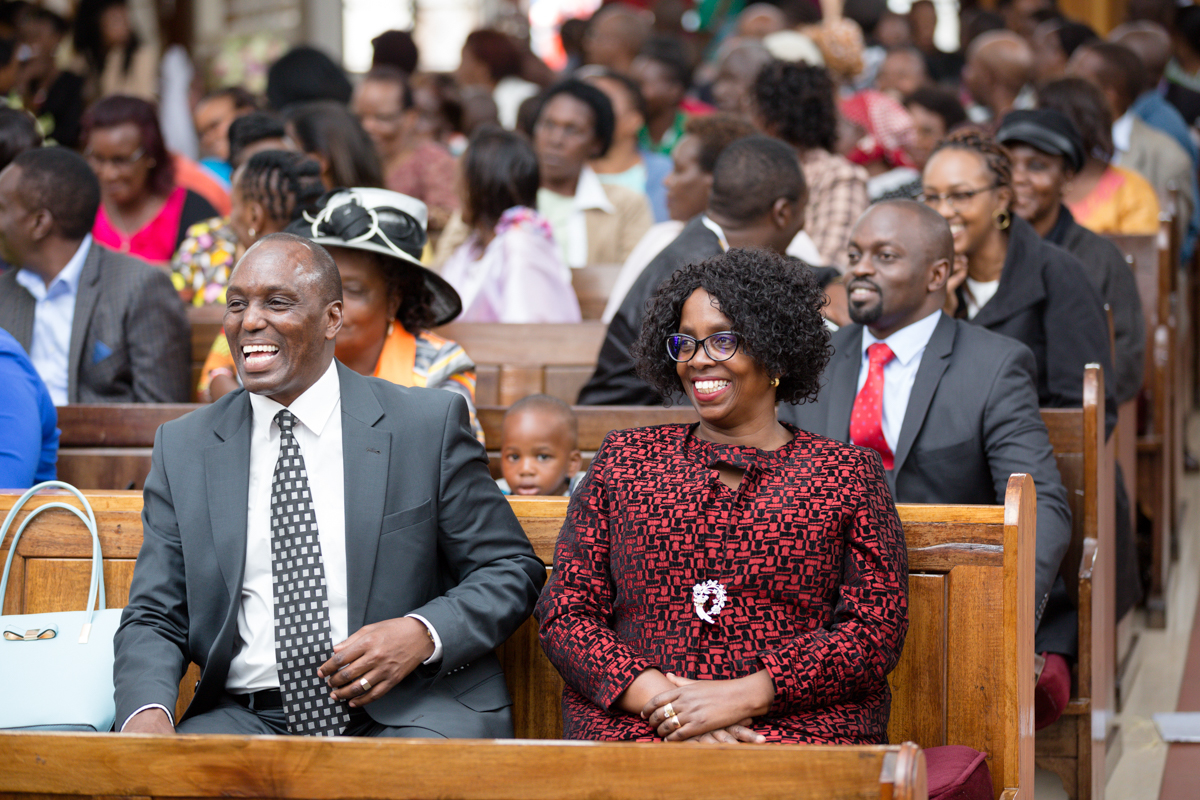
x,y
702,593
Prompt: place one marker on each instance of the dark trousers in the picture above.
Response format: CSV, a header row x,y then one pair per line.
x,y
229,716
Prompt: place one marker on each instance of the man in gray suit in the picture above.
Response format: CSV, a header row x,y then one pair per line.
x,y
100,327
382,621
959,403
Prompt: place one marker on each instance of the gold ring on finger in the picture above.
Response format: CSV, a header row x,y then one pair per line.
x,y
365,684
675,718
669,711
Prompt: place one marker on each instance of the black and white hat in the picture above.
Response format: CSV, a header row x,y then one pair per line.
x,y
384,222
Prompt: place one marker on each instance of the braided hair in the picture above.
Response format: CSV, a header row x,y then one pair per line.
x,y
995,155
285,183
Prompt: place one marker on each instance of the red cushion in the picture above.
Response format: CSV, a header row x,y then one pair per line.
x,y
1053,691
955,772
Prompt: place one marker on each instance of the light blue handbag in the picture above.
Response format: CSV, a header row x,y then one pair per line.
x,y
58,667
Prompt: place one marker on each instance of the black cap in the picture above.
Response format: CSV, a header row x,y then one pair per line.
x,y
1048,130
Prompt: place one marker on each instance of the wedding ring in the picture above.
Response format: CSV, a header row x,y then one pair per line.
x,y
675,719
669,711
365,684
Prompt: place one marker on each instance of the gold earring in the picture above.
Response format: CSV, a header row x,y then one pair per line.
x,y
774,381
253,233
1002,218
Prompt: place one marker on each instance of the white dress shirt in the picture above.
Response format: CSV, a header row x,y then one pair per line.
x,y
53,316
571,232
900,373
1122,136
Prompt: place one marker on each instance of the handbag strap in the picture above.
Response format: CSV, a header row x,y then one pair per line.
x,y
96,589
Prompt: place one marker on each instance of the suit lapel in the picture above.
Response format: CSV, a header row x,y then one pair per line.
x,y
934,362
227,474
85,303
1020,281
843,383
366,454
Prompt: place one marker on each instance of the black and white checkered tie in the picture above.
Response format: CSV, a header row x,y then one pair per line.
x,y
303,641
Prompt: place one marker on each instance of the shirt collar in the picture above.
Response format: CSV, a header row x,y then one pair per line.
x,y
313,408
589,192
68,277
909,341
1122,131
716,229
1058,233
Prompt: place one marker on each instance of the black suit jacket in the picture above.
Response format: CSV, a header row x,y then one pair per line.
x,y
130,339
1117,286
1046,301
615,383
972,420
427,532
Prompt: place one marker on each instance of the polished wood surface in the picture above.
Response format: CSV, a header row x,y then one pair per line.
x,y
593,284
1076,746
959,680
513,361
206,327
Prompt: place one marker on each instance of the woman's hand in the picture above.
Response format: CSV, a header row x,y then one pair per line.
x,y
958,276
694,708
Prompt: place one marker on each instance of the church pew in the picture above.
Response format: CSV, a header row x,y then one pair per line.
x,y
966,675
1158,449
206,322
513,361
1084,741
593,284
108,446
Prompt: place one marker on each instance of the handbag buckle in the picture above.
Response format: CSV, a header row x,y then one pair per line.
x,y
30,635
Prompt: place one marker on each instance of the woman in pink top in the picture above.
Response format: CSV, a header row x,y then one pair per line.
x,y
509,269
143,211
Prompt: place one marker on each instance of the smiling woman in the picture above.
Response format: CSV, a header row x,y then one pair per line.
x,y
738,580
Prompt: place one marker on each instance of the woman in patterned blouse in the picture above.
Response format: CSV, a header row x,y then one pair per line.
x,y
738,579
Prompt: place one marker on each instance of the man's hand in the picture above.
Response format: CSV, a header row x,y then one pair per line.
x,y
384,653
703,707
152,720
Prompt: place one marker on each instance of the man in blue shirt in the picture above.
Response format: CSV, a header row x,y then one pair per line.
x,y
99,326
29,442
1152,45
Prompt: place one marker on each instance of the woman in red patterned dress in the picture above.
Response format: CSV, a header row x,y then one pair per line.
x,y
738,579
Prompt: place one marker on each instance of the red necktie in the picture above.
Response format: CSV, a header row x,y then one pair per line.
x,y
866,419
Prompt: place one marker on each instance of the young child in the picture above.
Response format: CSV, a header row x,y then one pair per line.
x,y
539,447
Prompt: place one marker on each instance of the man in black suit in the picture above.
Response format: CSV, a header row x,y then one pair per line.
x,y
757,200
959,410
382,620
100,327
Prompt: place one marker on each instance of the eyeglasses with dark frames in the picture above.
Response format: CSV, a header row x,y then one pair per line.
x,y
720,346
956,199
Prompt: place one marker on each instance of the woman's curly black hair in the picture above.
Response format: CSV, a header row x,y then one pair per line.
x,y
416,299
796,103
788,338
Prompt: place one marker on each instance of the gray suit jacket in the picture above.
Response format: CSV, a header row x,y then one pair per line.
x,y
130,339
972,420
427,532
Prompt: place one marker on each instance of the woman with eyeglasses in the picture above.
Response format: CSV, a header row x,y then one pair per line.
x,y
1014,282
738,579
144,211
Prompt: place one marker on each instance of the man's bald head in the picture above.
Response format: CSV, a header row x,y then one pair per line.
x,y
760,19
615,35
900,257
1150,41
1004,57
312,259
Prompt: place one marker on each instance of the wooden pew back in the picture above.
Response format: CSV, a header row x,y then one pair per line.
x,y
108,446
593,284
965,676
513,361
304,767
207,322
1075,747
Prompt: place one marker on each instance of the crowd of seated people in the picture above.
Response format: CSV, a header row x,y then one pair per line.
x,y
759,185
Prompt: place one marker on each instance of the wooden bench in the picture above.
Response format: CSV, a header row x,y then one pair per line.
x,y
514,361
593,284
966,677
1084,743
108,446
207,323
1157,445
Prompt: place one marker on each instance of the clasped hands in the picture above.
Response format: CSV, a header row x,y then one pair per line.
x,y
703,711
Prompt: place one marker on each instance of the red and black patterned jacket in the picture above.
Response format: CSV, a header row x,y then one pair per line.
x,y
809,549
